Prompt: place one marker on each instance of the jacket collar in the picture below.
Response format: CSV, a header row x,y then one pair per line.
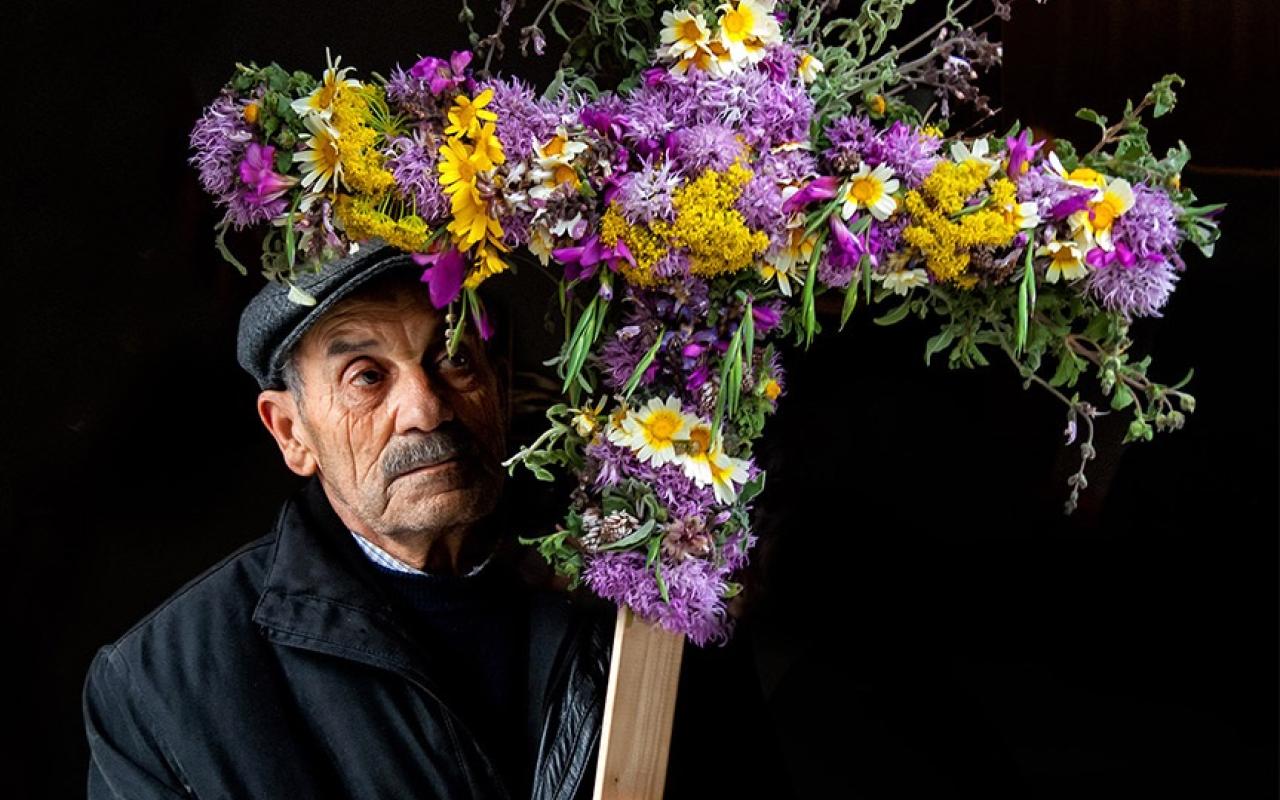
x,y
322,594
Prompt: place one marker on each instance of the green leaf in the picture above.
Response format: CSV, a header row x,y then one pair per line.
x,y
1068,371
300,297
220,242
851,292
1123,398
938,343
896,315
1163,96
638,372
1089,115
751,489
633,538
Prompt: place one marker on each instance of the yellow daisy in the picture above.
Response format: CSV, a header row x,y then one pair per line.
x,y
470,215
466,114
487,148
457,166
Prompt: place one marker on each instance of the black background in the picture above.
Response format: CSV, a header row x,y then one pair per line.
x,y
923,619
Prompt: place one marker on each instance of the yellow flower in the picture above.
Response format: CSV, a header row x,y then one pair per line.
x,y
1065,261
877,104
488,148
470,215
360,220
1117,198
466,114
457,167
488,261
362,169
772,388
251,113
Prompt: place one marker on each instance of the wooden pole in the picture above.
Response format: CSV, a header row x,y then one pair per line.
x,y
641,704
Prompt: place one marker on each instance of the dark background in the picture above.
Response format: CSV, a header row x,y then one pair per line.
x,y
923,619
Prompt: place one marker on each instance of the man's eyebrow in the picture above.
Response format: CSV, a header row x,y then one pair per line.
x,y
340,347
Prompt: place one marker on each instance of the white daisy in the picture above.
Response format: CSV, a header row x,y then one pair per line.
x,y
871,189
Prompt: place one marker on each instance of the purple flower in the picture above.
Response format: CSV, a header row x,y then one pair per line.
x,y
703,147
412,162
1071,205
219,139
1099,258
765,317
523,118
444,276
694,586
1150,227
645,195
581,260
1021,152
256,171
442,76
823,188
1141,291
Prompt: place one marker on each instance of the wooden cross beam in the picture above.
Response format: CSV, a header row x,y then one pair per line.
x,y
639,708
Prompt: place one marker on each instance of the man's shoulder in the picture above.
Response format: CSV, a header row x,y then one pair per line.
x,y
220,598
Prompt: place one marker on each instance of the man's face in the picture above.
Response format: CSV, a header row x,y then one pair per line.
x,y
407,438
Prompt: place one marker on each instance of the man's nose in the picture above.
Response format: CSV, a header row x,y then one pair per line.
x,y
420,401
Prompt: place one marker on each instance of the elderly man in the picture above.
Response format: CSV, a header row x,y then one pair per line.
x,y
377,642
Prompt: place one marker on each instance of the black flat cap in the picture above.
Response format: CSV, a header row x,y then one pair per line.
x,y
272,323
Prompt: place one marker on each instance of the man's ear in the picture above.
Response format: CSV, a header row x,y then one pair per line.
x,y
279,412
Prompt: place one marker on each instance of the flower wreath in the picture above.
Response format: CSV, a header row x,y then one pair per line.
x,y
751,158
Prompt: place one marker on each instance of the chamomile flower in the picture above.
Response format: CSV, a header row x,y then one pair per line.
x,y
808,67
1022,215
1116,199
1065,261
652,429
789,260
902,281
553,164
1083,177
321,100
727,473
683,34
962,153
714,58
321,162
746,28
871,189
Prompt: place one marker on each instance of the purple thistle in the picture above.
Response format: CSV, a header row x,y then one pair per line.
x,y
523,118
694,585
645,195
703,147
412,162
680,494
1140,291
1150,227
220,138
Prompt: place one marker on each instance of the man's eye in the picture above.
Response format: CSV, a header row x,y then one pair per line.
x,y
460,360
368,377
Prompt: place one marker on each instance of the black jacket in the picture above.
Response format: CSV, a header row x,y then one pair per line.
x,y
285,672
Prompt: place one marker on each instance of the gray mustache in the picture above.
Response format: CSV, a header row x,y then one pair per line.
x,y
425,451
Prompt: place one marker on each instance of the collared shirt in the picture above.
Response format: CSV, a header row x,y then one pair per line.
x,y
384,559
